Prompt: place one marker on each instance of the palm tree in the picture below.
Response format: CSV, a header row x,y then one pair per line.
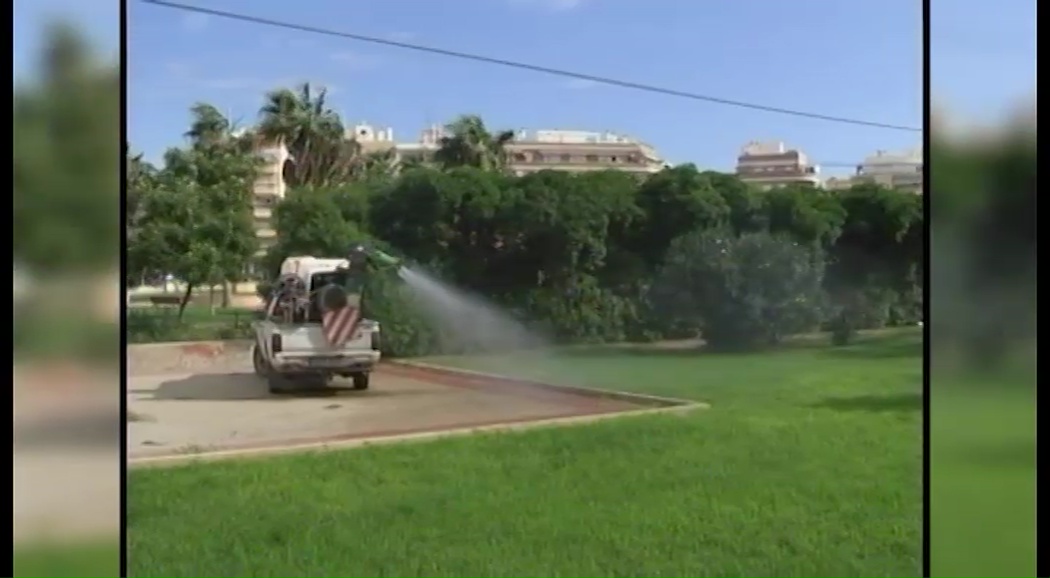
x,y
209,127
313,134
469,143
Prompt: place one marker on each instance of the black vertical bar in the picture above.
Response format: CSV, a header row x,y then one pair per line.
x,y
924,31
123,293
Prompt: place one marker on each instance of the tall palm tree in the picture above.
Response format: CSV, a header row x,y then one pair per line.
x,y
208,127
469,143
313,134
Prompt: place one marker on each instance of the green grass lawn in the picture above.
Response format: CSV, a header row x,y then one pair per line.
x,y
198,323
983,475
80,559
807,464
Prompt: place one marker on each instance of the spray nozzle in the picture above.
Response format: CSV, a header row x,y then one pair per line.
x,y
363,254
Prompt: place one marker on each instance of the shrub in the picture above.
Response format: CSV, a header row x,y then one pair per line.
x,y
743,292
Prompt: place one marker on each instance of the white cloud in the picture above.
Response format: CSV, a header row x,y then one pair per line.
x,y
195,22
178,69
354,60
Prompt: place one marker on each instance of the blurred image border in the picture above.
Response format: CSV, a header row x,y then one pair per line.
x,y
123,144
926,146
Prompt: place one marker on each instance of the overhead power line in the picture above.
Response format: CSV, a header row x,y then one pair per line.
x,y
524,66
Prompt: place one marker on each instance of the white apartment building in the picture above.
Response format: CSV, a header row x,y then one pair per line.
x,y
899,170
773,164
564,150
531,151
268,190
579,151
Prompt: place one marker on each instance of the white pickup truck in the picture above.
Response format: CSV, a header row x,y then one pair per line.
x,y
311,329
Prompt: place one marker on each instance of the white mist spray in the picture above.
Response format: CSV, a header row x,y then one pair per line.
x,y
467,319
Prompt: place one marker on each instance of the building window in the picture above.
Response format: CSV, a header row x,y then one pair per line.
x,y
592,158
519,157
566,158
614,159
538,157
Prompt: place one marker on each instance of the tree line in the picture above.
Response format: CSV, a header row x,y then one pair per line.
x,y
982,227
589,257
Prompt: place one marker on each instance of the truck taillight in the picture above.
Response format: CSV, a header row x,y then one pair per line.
x,y
376,341
275,343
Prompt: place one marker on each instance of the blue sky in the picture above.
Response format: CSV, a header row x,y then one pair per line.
x,y
857,58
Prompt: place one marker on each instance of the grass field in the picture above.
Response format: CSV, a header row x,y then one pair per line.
x,y
807,464
83,560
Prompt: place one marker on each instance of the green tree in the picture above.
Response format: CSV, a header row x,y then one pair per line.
x,y
746,204
200,234
140,177
983,235
742,292
66,185
312,222
470,143
195,221
806,213
209,127
876,261
676,201
66,199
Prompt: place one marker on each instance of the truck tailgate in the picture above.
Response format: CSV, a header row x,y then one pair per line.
x,y
310,340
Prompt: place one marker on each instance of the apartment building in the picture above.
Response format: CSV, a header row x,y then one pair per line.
x,y
838,183
580,151
899,170
268,190
531,151
372,139
562,150
773,164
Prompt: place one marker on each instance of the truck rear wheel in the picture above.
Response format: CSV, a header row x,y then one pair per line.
x,y
259,362
361,381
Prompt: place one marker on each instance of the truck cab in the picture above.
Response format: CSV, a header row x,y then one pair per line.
x,y
313,329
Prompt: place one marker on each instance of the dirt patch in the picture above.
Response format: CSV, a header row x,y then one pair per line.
x,y
225,407
188,357
235,410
